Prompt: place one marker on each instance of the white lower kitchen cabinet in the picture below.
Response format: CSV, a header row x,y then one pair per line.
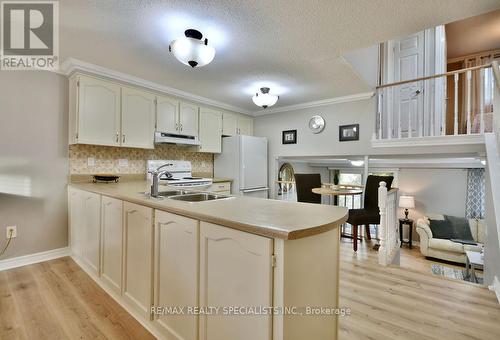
x,y
137,276
222,188
112,242
76,220
235,270
176,273
91,210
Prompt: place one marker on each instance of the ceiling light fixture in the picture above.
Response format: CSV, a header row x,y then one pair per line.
x,y
264,98
357,163
192,50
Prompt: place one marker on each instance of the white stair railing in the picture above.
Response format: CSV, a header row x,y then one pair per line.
x,y
496,101
388,252
420,107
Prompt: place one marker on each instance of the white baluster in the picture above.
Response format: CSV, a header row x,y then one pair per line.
x,y
481,99
390,107
455,106
379,108
469,100
443,113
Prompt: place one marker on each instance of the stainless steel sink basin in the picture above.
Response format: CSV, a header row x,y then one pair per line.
x,y
199,197
169,193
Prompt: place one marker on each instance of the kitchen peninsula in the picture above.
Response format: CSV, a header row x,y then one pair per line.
x,y
239,253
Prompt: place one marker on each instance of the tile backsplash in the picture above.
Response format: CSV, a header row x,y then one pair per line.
x,y
107,159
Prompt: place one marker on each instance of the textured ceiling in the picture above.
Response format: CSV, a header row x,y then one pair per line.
x,y
292,45
472,35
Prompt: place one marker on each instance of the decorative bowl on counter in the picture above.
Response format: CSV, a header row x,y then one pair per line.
x,y
105,178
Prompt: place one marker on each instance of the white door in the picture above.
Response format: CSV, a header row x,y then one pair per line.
x,y
235,270
167,114
229,124
176,273
138,229
245,126
188,119
210,131
408,98
253,167
98,112
138,118
112,242
92,230
76,220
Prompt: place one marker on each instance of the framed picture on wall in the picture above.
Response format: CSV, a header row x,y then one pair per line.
x,y
289,137
348,132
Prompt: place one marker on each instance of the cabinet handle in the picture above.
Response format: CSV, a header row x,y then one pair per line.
x,y
176,126
117,136
181,127
123,140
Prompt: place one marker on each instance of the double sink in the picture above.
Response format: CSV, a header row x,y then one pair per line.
x,y
190,196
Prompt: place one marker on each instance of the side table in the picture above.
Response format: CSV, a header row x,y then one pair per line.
x,y
409,223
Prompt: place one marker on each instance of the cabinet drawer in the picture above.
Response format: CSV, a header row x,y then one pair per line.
x,y
218,187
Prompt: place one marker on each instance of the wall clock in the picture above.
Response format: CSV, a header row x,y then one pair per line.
x,y
316,124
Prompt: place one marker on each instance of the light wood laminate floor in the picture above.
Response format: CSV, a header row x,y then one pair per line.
x,y
58,300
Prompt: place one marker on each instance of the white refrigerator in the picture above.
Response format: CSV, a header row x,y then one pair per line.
x,y
244,160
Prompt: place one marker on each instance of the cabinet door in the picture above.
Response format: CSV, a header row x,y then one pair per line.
x,y
91,230
167,115
235,270
138,118
210,131
137,222
98,112
112,241
245,126
229,124
176,273
76,219
188,119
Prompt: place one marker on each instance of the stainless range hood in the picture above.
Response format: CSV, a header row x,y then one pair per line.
x,y
169,138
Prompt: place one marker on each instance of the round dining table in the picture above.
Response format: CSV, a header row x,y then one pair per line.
x,y
337,192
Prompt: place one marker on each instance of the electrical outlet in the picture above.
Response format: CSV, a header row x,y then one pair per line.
x,y
10,228
91,161
122,162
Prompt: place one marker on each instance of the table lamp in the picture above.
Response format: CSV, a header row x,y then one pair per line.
x,y
406,202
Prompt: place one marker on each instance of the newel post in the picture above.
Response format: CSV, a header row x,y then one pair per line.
x,y
382,205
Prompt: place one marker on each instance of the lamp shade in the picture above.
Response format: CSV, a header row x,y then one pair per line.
x,y
406,202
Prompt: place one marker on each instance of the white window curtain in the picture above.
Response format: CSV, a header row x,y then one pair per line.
x,y
475,194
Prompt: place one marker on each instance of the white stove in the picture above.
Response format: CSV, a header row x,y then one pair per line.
x,y
179,174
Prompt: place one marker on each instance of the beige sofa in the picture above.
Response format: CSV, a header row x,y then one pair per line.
x,y
446,249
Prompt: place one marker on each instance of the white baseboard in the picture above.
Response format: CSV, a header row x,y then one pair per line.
x,y
495,287
33,258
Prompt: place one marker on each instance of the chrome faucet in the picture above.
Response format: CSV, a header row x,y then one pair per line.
x,y
156,178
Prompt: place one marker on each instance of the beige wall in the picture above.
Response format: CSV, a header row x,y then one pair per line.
x,y
33,160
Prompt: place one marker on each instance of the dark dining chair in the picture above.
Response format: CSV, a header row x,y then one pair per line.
x,y
304,184
370,213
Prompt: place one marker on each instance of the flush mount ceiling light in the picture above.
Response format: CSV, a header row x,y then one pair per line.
x,y
264,98
357,163
192,50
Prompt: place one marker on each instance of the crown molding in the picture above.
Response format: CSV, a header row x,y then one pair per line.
x,y
72,65
323,102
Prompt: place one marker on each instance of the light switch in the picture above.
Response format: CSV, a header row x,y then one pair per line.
x,y
122,162
91,161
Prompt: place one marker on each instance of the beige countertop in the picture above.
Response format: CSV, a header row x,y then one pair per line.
x,y
220,180
265,217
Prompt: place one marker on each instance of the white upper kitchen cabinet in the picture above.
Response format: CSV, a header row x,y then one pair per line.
x,y
138,229
229,124
235,124
167,115
210,131
138,118
112,240
235,270
94,111
245,126
188,119
176,273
